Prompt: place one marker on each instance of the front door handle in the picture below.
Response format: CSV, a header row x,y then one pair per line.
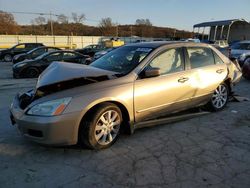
x,y
219,71
183,79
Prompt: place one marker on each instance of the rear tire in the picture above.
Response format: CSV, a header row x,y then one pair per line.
x,y
7,58
101,128
219,98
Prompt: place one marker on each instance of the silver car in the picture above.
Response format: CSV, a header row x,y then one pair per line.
x,y
123,90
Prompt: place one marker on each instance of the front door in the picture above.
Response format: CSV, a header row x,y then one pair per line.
x,y
167,93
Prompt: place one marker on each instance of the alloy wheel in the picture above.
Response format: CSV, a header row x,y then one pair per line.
x,y
107,127
220,96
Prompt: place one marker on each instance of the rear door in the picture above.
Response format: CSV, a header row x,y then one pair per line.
x,y
167,93
207,71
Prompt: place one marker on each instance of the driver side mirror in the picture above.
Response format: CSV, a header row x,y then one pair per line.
x,y
151,72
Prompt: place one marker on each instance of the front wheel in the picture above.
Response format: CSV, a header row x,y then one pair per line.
x,y
102,128
32,72
219,98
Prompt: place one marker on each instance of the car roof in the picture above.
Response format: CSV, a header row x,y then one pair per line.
x,y
165,43
64,51
245,41
42,47
30,43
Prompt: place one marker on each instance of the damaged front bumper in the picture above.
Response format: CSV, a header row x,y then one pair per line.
x,y
53,130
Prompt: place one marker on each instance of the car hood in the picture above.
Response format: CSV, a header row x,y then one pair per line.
x,y
4,50
26,61
61,72
23,62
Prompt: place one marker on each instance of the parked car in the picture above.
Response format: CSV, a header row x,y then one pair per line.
x,y
9,53
102,53
124,89
34,67
193,40
90,50
32,54
246,70
241,51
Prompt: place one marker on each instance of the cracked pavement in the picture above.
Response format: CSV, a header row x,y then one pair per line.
x,y
207,151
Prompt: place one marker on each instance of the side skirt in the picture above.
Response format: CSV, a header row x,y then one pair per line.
x,y
170,119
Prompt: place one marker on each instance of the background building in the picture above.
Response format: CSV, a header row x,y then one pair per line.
x,y
229,30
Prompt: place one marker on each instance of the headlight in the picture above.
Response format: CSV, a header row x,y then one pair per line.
x,y
49,108
20,65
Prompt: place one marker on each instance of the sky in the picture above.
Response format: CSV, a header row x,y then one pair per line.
x,y
180,14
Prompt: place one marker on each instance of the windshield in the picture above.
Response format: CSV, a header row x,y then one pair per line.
x,y
122,60
35,49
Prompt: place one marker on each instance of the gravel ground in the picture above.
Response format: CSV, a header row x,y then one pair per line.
x,y
206,151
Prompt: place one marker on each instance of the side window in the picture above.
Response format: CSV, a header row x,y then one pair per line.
x,y
169,61
217,59
69,55
51,49
248,47
200,57
19,47
29,46
54,57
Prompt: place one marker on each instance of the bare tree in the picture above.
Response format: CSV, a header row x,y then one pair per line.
x,y
62,19
106,22
78,18
145,22
144,27
107,27
7,23
39,20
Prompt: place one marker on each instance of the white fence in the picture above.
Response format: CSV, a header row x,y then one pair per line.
x,y
7,41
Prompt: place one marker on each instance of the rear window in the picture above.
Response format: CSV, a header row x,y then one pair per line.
x,y
200,57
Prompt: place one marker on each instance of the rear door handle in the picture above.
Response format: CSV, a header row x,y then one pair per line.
x,y
182,80
219,71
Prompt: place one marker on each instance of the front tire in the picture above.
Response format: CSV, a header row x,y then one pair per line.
x,y
101,129
219,98
32,72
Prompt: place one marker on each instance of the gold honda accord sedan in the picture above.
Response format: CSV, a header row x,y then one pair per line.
x,y
123,90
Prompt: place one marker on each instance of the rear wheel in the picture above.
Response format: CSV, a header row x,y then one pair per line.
x,y
32,72
102,128
219,98
7,58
